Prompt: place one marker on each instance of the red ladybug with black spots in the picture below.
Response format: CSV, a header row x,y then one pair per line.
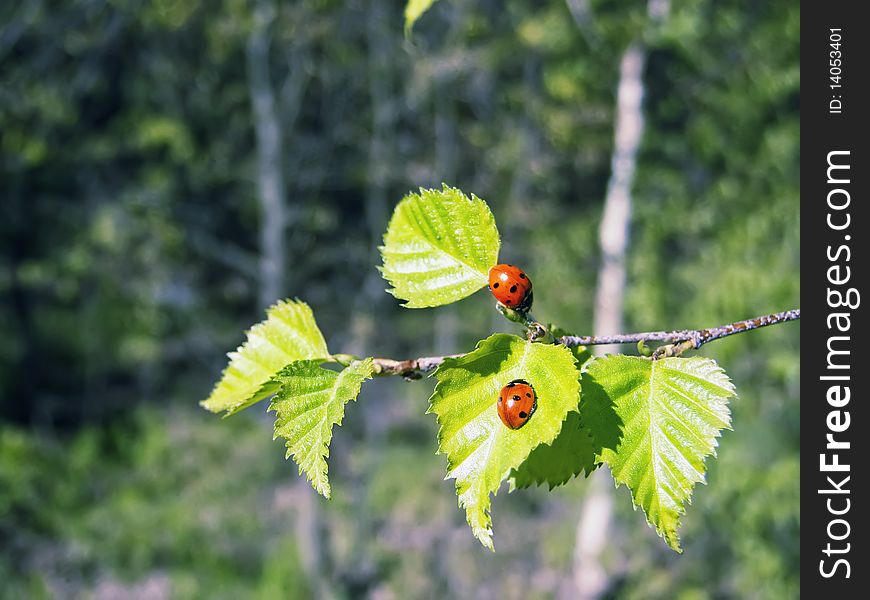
x,y
511,286
517,402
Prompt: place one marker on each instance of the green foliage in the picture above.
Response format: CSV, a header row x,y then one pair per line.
x,y
481,451
283,576
310,401
439,247
571,453
141,160
288,334
414,9
654,422
157,497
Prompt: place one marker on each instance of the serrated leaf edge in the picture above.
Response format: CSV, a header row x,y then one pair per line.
x,y
472,199
319,480
484,533
253,333
671,537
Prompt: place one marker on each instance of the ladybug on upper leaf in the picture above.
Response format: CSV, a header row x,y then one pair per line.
x,y
517,402
511,286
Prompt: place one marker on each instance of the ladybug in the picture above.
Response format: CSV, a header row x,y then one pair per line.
x,y
517,402
511,286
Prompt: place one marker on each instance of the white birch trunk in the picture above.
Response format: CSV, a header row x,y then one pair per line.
x,y
591,578
270,178
271,193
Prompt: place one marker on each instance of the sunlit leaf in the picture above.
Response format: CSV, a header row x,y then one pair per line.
x,y
309,402
553,464
414,9
439,247
289,333
655,421
571,453
481,451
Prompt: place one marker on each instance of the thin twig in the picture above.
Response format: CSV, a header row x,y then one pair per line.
x,y
412,368
698,337
678,342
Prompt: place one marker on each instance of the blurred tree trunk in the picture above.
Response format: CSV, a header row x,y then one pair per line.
x,y
591,578
359,570
270,178
378,171
590,575
271,187
380,158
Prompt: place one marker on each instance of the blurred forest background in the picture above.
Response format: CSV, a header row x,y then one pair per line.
x,y
168,168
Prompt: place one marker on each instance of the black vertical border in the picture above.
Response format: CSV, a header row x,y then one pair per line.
x,y
821,133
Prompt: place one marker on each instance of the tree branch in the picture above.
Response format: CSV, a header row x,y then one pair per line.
x,y
678,342
696,337
412,368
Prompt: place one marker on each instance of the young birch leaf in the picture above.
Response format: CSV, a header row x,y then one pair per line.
x,y
414,9
480,450
670,412
439,247
309,402
289,333
571,453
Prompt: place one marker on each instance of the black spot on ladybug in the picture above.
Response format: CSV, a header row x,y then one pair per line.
x,y
516,398
528,395
495,285
523,414
513,288
522,275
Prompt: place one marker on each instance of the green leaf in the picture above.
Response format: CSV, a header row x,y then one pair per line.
x,y
481,451
310,401
582,354
289,333
655,421
571,453
439,247
414,9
